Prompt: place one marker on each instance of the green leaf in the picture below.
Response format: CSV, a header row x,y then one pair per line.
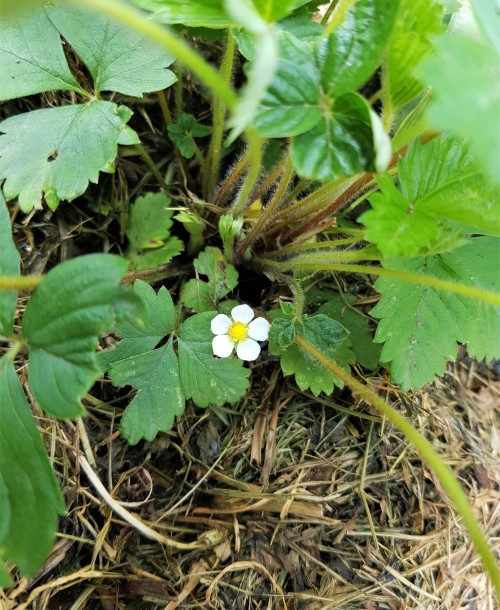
x,y
229,229
348,57
462,60
159,400
311,75
30,500
143,333
282,332
274,10
291,103
205,378
439,182
50,151
31,56
417,22
183,132
324,333
71,306
154,372
421,325
118,58
149,221
203,296
195,226
195,13
148,231
342,144
9,265
360,339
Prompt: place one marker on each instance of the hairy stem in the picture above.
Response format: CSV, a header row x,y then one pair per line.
x,y
255,154
218,117
404,276
443,472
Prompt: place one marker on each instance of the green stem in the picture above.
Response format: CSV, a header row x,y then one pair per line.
x,y
135,20
270,208
404,276
211,176
428,454
255,154
231,179
19,282
152,166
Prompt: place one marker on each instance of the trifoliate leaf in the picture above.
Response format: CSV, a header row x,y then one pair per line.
x,y
421,325
30,500
155,321
148,231
410,41
326,334
159,400
462,60
57,151
203,296
311,75
439,183
183,132
204,378
9,265
71,306
360,337
118,58
31,56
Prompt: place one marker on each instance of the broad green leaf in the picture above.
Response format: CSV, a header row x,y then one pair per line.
x,y
274,10
31,56
342,144
477,262
195,226
9,265
438,182
143,333
206,379
417,22
291,103
118,58
183,132
472,109
202,295
324,333
157,256
57,151
311,75
72,305
360,336
421,325
195,13
159,400
348,57
30,500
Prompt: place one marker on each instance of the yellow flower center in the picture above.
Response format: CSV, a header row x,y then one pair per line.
x,y
238,332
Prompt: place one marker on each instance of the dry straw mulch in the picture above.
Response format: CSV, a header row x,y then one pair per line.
x,y
287,502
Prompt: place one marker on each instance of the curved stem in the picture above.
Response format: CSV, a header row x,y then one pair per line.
x,y
443,472
404,276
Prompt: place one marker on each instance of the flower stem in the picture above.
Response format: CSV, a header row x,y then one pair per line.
x,y
443,472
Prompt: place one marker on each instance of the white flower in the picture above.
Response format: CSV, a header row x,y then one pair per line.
x,y
239,331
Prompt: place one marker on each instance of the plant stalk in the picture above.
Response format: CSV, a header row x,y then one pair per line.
x,y
443,472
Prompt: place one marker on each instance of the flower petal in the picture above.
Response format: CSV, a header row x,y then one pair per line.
x,y
242,313
259,329
220,324
248,350
222,346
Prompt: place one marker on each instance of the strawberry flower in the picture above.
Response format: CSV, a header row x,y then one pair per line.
x,y
241,330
